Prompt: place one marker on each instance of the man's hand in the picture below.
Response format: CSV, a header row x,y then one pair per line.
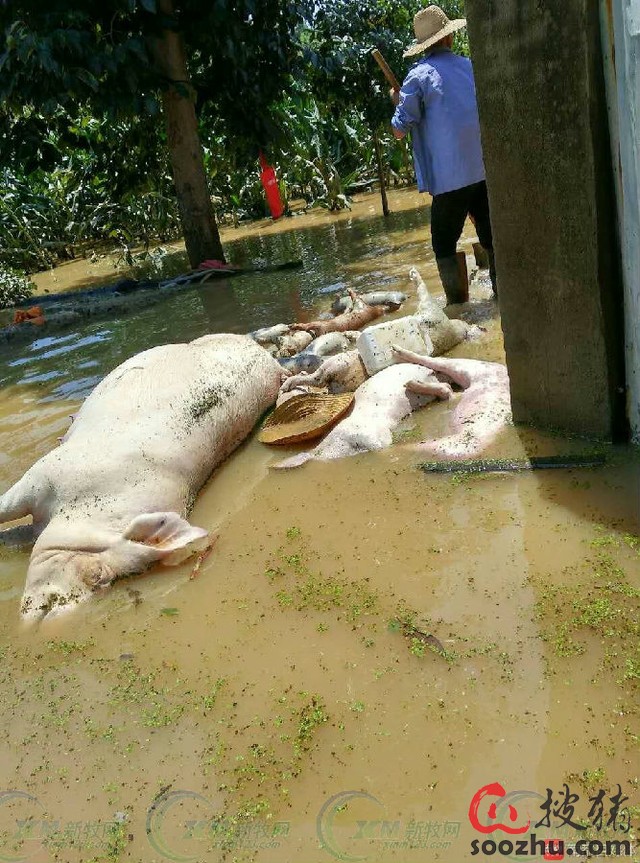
x,y
394,95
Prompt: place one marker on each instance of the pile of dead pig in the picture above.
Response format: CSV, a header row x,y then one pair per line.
x,y
301,348
393,368
167,417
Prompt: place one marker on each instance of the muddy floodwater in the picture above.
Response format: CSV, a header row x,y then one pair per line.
x,y
287,705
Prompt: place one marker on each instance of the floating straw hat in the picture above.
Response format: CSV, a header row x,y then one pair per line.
x,y
430,26
304,417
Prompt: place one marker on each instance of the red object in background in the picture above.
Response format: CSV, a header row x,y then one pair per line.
x,y
32,315
212,264
270,183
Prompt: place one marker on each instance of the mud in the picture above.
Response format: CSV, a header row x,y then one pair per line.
x,y
285,704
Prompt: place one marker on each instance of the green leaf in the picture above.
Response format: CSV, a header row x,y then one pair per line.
x,y
169,612
87,78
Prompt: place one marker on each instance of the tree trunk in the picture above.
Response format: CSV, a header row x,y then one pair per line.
x,y
383,185
201,235
409,172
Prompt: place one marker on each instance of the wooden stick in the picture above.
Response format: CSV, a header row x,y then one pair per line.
x,y
204,554
498,465
386,69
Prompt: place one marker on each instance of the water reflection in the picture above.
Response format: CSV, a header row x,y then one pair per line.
x,y
336,253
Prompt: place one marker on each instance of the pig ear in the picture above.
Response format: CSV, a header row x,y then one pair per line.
x,y
165,531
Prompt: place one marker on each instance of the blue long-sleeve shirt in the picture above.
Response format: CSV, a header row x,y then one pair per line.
x,y
438,106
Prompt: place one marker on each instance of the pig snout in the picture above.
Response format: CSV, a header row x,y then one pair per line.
x,y
61,577
59,580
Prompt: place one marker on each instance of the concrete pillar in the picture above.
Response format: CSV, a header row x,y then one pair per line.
x,y
621,44
538,68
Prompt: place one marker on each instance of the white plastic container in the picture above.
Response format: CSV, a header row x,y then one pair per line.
x,y
375,343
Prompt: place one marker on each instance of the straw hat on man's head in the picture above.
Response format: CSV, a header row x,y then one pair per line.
x,y
430,26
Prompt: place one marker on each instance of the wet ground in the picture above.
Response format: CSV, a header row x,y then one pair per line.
x,y
287,705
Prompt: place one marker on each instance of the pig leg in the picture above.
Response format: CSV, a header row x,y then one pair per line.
x,y
432,388
422,292
20,499
453,369
355,299
303,379
416,278
331,368
402,355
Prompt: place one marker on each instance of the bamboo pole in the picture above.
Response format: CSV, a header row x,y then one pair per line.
x,y
386,69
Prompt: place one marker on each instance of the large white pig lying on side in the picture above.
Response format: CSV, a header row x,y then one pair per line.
x,y
379,405
484,408
112,499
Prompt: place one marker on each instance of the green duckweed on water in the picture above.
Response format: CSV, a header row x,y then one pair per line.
x,y
597,612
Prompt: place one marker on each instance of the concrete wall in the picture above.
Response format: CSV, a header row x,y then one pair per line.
x,y
538,67
621,29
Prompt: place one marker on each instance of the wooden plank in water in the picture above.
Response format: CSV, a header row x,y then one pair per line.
x,y
504,465
130,286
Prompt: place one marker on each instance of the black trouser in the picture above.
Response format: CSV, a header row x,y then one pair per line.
x,y
448,214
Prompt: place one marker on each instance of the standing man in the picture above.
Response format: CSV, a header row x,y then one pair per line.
x,y
437,104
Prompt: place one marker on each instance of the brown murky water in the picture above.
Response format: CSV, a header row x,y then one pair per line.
x,y
284,706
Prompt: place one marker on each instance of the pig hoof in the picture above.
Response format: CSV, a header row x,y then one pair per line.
x,y
445,391
402,354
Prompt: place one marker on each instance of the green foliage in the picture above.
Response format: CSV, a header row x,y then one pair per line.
x,y
243,54
70,647
14,288
337,48
311,715
83,150
106,60
320,154
69,52
65,53
106,181
208,702
109,182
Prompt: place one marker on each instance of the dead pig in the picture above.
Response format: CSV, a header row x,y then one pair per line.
x,y
380,404
391,299
113,498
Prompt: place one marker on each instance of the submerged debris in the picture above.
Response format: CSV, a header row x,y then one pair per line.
x,y
497,465
417,637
